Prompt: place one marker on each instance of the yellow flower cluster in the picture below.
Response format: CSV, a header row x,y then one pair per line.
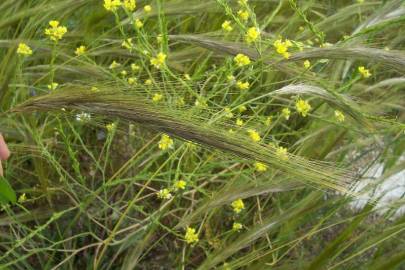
x,y
243,15
55,32
114,65
252,34
53,86
159,60
191,236
282,153
24,49
286,113
268,121
242,85
165,142
254,135
201,103
127,44
111,127
138,23
307,64
112,5
340,117
241,60
260,167
180,184
129,5
228,112
135,67
242,108
239,122
303,107
157,97
164,194
282,47
364,72
236,226
132,80
147,8
80,50
226,26
238,206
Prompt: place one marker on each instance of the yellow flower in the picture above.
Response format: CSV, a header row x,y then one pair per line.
x,y
201,103
230,78
80,50
112,5
268,120
55,32
228,112
147,8
135,67
260,167
242,85
243,15
130,5
238,206
307,64
53,86
239,122
282,47
148,82
282,153
94,89
254,135
340,117
252,34
24,49
159,38
191,236
127,44
180,184
132,80
159,60
138,23
187,77
54,24
364,72
242,108
111,127
226,26
165,142
302,107
124,73
22,198
157,97
286,113
114,65
180,101
241,60
237,226
164,194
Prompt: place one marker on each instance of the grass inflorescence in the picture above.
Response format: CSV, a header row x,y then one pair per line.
x,y
201,135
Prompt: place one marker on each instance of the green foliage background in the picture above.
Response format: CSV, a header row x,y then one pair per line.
x,y
91,192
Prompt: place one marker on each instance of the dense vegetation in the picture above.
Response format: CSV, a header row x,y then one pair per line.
x,y
187,134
